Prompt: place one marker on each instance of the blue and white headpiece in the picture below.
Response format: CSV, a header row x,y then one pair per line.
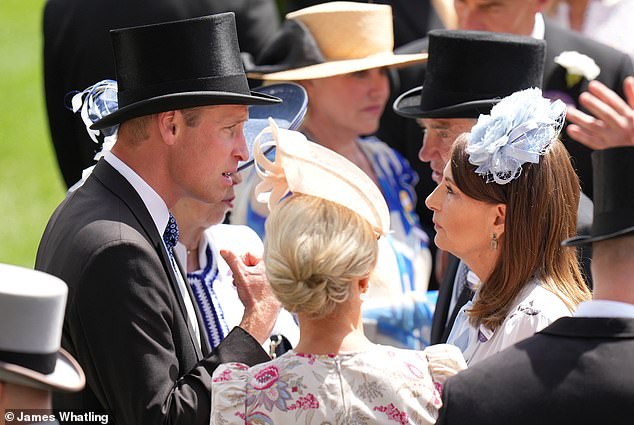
x,y
518,130
96,102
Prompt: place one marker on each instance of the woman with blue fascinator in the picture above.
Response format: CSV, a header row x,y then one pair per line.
x,y
509,195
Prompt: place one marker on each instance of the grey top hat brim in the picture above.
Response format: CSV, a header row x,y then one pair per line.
x,y
408,105
181,101
67,375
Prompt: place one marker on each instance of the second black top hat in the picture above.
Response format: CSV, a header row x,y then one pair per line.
x,y
470,71
176,65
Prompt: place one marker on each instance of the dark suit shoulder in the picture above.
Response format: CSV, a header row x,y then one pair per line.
x,y
583,379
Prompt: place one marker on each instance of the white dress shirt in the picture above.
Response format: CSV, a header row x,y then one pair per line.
x,y
605,308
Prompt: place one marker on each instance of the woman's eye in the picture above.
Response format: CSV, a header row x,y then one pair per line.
x,y
449,189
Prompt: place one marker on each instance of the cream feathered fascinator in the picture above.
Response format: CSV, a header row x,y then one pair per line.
x,y
519,130
301,166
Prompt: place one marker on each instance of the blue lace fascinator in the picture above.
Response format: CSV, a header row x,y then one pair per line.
x,y
518,130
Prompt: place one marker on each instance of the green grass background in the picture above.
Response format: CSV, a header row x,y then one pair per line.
x,y
30,184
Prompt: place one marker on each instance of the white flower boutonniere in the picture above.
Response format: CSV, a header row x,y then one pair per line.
x,y
577,66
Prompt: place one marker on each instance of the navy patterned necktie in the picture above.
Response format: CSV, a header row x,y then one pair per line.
x,y
170,235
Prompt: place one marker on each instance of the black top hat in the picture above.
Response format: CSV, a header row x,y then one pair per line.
x,y
470,71
176,65
613,196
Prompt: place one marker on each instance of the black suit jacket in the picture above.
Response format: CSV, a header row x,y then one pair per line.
x,y
440,328
576,371
78,53
125,319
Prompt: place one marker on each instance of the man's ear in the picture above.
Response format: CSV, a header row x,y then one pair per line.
x,y
168,126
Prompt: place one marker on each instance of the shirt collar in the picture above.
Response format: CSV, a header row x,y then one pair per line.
x,y
539,29
604,308
181,252
153,202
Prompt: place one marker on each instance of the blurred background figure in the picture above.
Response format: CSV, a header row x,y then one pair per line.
x,y
77,53
320,252
339,52
607,21
32,364
510,239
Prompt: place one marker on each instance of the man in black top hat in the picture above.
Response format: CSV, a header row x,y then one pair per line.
x,y
578,370
77,53
130,319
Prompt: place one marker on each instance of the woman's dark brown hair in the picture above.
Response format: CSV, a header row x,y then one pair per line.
x,y
541,211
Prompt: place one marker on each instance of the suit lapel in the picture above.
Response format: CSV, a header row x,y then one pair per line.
x,y
204,341
439,322
118,185
554,83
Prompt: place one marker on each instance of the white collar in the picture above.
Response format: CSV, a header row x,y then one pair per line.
x,y
539,29
604,308
181,252
153,202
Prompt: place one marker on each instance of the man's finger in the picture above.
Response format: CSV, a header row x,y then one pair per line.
x,y
250,259
600,109
608,97
582,136
233,261
628,88
587,122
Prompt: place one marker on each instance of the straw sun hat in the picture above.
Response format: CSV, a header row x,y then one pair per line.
x,y
331,39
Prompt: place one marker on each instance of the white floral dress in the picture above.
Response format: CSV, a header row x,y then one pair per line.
x,y
384,385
